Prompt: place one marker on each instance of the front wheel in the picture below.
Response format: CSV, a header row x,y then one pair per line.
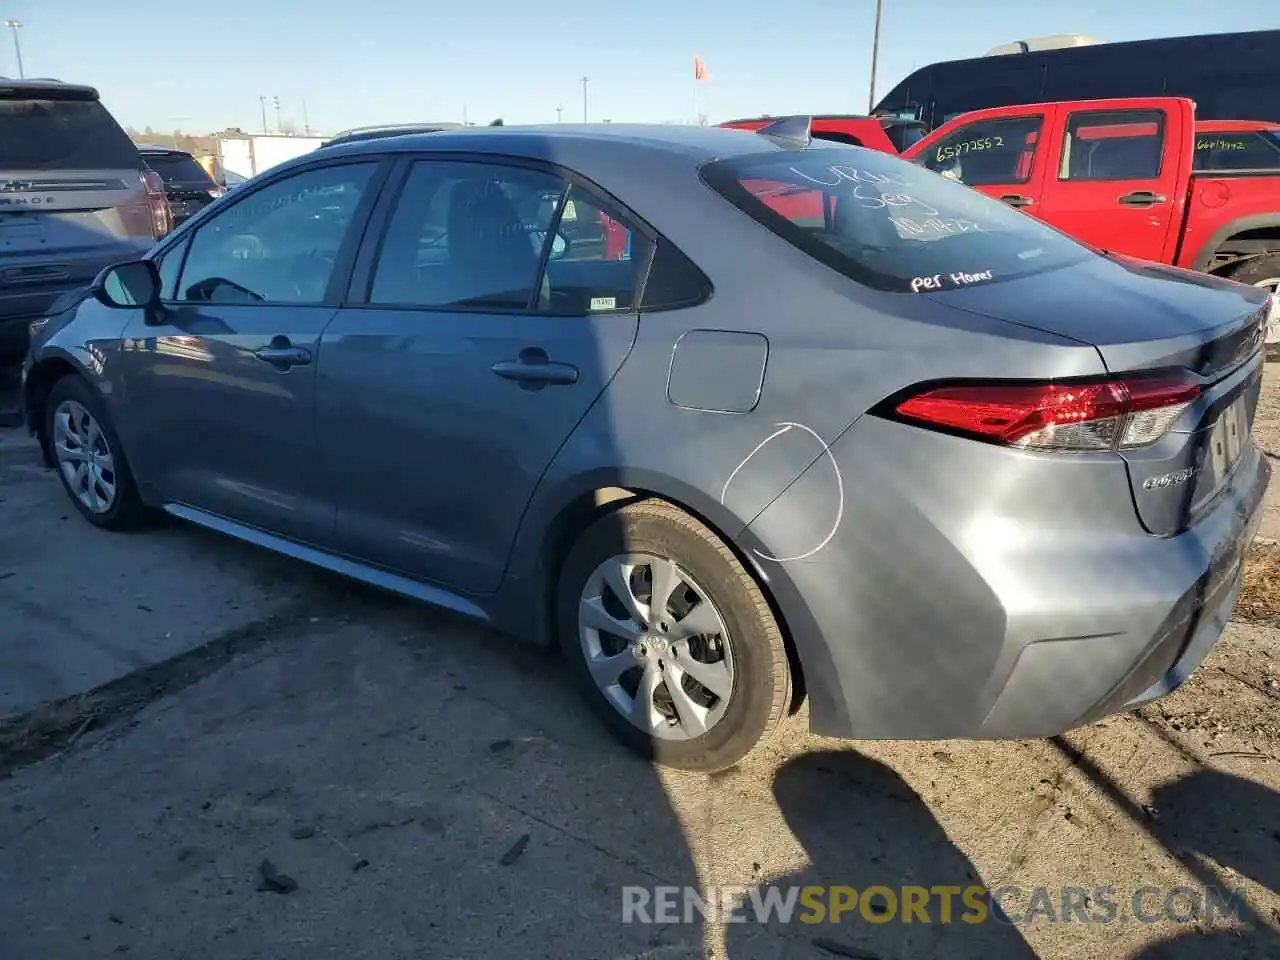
x,y
89,458
671,639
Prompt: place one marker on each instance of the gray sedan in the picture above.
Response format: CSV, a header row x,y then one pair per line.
x,y
733,417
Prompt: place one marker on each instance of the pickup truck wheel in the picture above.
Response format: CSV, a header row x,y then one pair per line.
x,y
1265,272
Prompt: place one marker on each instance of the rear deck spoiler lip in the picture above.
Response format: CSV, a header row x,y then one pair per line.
x,y
45,90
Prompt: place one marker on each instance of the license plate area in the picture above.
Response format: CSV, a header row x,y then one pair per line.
x,y
1226,441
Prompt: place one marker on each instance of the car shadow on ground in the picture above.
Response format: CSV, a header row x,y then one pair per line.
x,y
1220,827
861,826
1216,818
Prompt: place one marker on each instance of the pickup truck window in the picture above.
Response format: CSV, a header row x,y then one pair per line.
x,y
987,151
1112,145
886,223
1248,150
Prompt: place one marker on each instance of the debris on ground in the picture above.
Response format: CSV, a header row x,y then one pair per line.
x,y
273,881
516,851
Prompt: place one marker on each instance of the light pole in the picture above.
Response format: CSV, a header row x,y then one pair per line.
x,y
279,125
15,26
585,81
262,105
559,112
875,53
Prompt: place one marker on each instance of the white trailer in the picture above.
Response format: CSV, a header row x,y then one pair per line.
x,y
251,153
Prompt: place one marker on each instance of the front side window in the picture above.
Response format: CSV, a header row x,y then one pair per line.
x,y
1112,145
987,151
1250,150
279,244
889,224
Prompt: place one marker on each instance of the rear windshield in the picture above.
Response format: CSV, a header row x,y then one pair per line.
x,y
887,223
177,168
1251,150
62,135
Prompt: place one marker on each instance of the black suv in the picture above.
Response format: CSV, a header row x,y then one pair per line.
x,y
187,185
74,198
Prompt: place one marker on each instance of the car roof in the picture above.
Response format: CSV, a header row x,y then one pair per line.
x,y
145,148
695,142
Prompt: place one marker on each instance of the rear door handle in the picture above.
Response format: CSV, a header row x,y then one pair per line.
x,y
1017,200
1142,198
282,354
534,370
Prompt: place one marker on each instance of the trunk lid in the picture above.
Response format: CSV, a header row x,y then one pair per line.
x,y
1143,317
1139,315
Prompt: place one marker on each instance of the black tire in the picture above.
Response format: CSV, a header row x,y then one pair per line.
x,y
761,693
1254,272
128,511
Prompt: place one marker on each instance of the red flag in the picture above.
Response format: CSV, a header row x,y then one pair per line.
x,y
700,72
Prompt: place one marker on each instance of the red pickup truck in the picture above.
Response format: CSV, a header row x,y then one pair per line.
x,y
1131,176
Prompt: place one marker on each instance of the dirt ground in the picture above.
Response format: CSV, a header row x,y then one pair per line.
x,y
429,790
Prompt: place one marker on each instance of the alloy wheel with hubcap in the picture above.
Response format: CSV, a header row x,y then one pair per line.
x,y
656,646
84,457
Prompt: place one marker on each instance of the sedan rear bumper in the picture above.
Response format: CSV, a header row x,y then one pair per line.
x,y
977,592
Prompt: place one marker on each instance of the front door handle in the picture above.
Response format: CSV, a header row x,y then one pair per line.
x,y
533,370
282,354
1142,198
1017,200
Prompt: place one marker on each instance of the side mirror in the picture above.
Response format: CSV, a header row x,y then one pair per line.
x,y
559,246
127,286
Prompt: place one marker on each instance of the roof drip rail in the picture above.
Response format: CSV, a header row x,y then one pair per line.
x,y
789,131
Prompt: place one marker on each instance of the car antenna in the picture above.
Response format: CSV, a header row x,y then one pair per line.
x,y
788,131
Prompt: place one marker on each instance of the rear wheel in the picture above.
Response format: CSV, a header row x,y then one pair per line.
x,y
671,639
88,456
1264,272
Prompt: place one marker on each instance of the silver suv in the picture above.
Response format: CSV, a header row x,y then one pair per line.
x,y
74,197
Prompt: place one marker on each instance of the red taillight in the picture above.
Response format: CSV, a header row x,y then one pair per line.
x,y
1115,414
157,204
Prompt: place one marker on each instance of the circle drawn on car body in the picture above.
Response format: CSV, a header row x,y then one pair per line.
x,y
784,428
666,664
84,457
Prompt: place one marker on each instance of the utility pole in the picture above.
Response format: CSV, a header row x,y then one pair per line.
x,y
585,81
279,126
15,26
306,120
875,53
262,103
559,113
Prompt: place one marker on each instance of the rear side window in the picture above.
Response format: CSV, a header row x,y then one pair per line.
x,y
62,135
887,223
1112,145
673,280
1258,150
177,168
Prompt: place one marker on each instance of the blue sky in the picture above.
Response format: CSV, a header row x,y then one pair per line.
x,y
202,66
